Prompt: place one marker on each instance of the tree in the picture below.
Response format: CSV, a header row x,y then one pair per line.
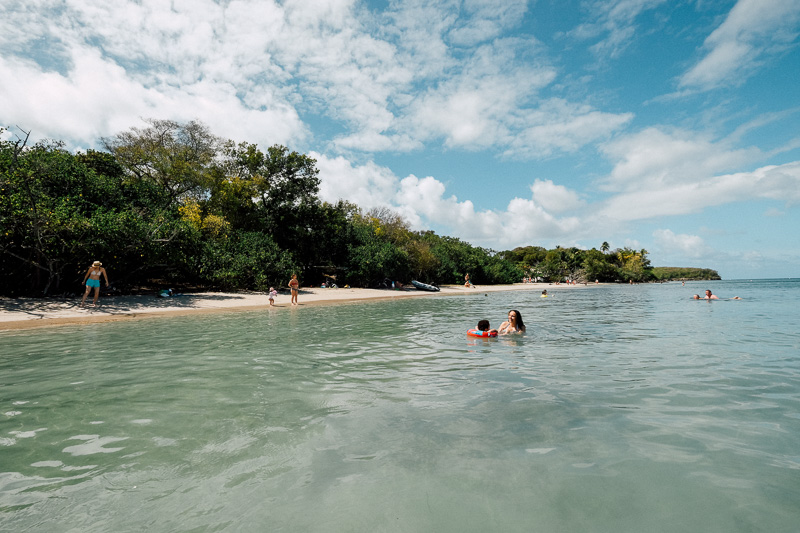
x,y
176,156
245,260
284,185
634,264
597,267
604,247
371,259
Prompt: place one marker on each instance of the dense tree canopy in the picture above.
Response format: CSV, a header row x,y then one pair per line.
x,y
173,204
621,265
684,273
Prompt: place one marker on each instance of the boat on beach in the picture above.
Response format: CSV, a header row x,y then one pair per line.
x,y
424,286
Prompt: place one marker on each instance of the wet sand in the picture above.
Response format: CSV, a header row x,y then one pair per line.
x,y
23,313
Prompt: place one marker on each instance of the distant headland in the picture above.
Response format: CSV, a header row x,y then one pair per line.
x,y
685,273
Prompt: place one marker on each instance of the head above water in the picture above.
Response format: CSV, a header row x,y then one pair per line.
x,y
483,325
515,318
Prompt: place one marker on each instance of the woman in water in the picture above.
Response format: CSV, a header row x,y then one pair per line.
x,y
513,325
92,280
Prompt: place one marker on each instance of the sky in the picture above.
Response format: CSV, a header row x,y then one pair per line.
x,y
668,125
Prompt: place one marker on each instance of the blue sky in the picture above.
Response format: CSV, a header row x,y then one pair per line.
x,y
670,125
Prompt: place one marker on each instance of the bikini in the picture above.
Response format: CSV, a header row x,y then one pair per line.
x,y
94,282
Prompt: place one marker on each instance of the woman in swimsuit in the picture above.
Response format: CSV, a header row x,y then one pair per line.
x,y
513,325
92,279
294,285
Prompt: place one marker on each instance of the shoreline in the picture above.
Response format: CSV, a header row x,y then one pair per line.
x,y
26,313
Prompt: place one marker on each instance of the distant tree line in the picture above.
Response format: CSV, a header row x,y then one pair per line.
x,y
684,273
604,265
170,204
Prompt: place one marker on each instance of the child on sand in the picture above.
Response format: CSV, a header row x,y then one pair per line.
x,y
272,294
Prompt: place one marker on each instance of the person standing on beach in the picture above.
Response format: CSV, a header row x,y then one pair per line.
x,y
294,285
92,280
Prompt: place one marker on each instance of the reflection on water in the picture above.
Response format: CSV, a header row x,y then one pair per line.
x,y
623,409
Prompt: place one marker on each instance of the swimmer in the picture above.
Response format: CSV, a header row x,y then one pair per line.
x,y
710,296
514,324
696,297
544,293
483,325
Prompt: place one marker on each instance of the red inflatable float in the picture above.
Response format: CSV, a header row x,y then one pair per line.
x,y
481,333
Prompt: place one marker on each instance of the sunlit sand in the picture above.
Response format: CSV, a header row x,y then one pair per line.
x,y
32,312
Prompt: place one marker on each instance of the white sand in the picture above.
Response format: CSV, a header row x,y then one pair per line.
x,y
22,313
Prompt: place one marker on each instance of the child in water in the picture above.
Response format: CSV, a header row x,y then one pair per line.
x,y
483,325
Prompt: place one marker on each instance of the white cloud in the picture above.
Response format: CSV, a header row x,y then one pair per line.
x,y
733,51
774,182
424,203
559,126
486,19
615,21
97,98
494,102
670,243
653,159
389,81
555,198
173,61
521,222
368,185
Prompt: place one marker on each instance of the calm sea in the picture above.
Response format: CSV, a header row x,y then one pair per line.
x,y
623,409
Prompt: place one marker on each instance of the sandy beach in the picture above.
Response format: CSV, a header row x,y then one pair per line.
x,y
23,313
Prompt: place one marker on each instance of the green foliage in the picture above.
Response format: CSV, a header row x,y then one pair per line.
x,y
684,273
245,260
58,213
561,264
178,157
456,258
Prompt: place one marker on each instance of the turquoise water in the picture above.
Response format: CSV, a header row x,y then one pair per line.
x,y
624,408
